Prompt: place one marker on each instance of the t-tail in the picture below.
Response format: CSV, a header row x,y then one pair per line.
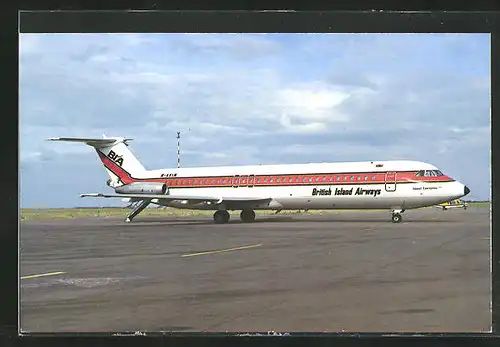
x,y
120,163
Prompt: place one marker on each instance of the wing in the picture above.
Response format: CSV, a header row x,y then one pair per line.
x,y
195,198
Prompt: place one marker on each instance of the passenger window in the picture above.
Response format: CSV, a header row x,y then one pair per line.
x,y
359,178
304,180
330,178
352,178
373,178
324,178
337,178
366,178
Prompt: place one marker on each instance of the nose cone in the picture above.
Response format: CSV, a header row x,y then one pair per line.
x,y
466,190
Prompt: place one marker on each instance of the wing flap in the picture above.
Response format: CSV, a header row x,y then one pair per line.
x,y
152,196
193,198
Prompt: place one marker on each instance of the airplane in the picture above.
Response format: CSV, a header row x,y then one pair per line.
x,y
396,185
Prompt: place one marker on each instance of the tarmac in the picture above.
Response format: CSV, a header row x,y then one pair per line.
x,y
336,272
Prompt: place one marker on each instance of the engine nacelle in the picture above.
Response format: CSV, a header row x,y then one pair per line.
x,y
142,188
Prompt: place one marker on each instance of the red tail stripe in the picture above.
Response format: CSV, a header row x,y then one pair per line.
x,y
124,176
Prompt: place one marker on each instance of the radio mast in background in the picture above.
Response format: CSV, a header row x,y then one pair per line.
x,y
178,149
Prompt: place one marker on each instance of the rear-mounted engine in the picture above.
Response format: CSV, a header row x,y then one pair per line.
x,y
142,188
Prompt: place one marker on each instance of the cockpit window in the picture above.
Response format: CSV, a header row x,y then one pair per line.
x,y
429,173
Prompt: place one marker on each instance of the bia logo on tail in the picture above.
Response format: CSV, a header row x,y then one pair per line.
x,y
115,157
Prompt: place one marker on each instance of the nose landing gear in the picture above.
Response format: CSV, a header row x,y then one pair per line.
x,y
396,216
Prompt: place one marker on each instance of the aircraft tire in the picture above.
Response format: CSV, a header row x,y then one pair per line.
x,y
247,216
227,216
221,217
396,218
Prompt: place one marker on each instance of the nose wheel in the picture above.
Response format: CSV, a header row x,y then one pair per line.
x,y
221,217
397,218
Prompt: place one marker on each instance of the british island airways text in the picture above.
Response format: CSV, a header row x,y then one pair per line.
x,y
342,191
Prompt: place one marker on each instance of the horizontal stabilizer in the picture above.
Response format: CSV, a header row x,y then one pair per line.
x,y
90,141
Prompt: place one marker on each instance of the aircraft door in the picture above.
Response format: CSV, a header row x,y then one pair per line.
x,y
236,181
243,181
250,180
390,181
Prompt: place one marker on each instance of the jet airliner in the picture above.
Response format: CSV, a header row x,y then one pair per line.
x,y
395,185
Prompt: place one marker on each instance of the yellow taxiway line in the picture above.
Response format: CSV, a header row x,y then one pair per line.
x,y
42,275
222,250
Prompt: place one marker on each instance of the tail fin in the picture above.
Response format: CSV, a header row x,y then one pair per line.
x,y
120,163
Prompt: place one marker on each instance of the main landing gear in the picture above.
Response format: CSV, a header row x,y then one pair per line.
x,y
247,216
222,216
396,216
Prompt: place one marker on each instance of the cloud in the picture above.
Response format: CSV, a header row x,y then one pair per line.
x,y
246,99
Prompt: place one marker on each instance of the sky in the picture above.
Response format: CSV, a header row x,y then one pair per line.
x,y
242,99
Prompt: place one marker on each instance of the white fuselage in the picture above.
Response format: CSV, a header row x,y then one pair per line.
x,y
357,185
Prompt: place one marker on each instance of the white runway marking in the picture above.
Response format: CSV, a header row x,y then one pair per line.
x,y
43,275
222,250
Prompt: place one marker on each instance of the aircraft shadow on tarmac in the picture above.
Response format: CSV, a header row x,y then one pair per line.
x,y
209,221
